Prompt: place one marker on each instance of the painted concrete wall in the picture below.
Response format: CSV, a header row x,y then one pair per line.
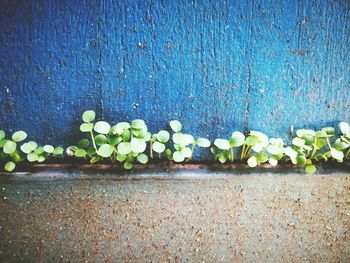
x,y
216,65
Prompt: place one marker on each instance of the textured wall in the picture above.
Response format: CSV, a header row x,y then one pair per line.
x,y
215,65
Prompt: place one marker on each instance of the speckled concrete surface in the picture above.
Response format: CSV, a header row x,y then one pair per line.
x,y
175,217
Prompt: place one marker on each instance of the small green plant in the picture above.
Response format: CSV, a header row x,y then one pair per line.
x,y
184,144
123,142
126,143
223,149
15,150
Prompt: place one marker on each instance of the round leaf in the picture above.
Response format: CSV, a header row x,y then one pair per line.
x,y
32,157
48,148
142,158
175,125
124,148
222,144
128,165
10,166
301,159
158,147
105,150
80,153
102,127
298,142
89,116
252,162
41,158
39,150
178,156
237,139
262,157
310,169
163,136
338,155
251,140
202,142
86,127
9,147
29,147
137,145
344,128
138,124
100,139
58,150
273,161
83,143
19,136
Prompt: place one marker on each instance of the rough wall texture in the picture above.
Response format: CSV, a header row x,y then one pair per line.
x,y
215,65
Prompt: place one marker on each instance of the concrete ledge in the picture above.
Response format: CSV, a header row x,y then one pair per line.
x,y
190,215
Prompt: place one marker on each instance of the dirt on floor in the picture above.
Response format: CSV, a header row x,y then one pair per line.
x,y
178,216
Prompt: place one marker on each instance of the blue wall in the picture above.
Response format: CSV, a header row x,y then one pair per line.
x,y
215,65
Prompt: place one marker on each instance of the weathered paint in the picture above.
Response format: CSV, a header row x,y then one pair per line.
x,y
217,66
186,216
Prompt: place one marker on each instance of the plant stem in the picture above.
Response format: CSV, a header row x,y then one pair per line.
x,y
159,155
150,149
231,154
242,153
347,153
93,140
329,144
192,149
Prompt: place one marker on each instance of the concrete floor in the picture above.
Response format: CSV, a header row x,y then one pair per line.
x,y
175,216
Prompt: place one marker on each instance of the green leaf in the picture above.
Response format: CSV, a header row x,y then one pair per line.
x,y
262,157
48,148
178,156
39,150
142,158
16,157
128,165
100,139
320,143
19,136
222,144
158,147
310,169
123,125
10,166
301,159
252,162
105,150
273,161
298,142
29,147
222,158
137,145
71,149
2,135
237,139
163,136
83,143
203,142
126,135
301,133
86,127
41,158
121,157
114,139
10,147
338,155
58,150
124,148
102,127
2,143
89,116
251,140
344,128
329,130
32,157
169,154
138,125
274,149
175,125
95,159
80,153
